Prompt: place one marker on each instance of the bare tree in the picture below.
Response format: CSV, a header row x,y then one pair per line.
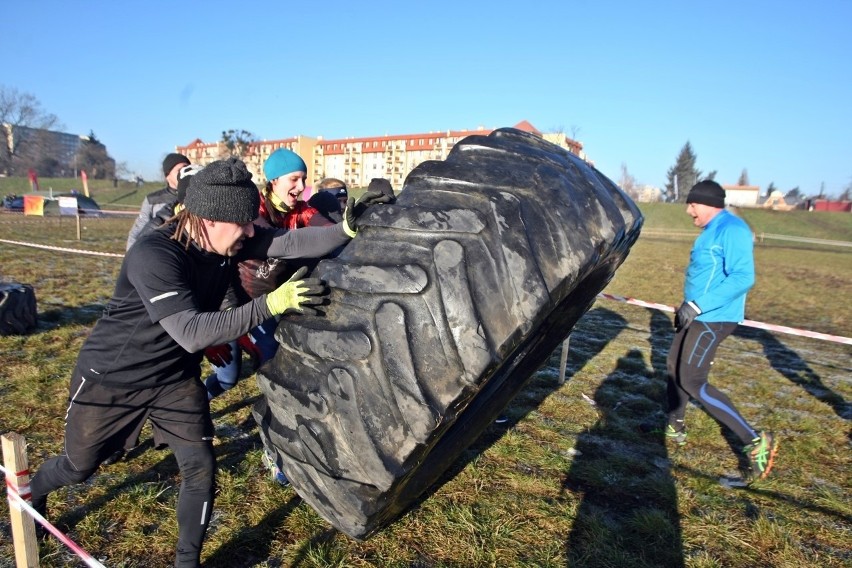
x,y
21,121
628,182
743,178
92,156
575,131
846,195
122,171
237,142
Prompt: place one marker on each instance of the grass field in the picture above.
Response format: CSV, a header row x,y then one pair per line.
x,y
568,481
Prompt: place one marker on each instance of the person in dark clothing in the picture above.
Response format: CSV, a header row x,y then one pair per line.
x,y
142,360
156,200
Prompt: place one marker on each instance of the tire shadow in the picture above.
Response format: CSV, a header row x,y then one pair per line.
x,y
628,502
795,369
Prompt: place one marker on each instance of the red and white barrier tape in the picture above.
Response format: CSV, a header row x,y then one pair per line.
x,y
633,301
747,323
20,502
78,251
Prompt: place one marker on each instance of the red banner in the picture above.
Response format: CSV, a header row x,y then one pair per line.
x,y
33,179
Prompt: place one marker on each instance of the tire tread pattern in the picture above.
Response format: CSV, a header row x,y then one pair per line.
x,y
441,310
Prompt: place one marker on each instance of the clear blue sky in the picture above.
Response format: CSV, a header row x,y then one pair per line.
x,y
761,85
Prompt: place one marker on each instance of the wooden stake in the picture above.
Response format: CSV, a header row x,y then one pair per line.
x,y
563,360
18,480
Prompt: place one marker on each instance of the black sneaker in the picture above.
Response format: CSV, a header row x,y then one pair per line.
x,y
40,505
114,458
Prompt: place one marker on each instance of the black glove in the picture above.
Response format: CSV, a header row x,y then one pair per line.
x,y
383,185
354,209
685,314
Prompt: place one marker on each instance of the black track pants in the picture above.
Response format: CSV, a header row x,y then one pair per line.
x,y
688,364
195,502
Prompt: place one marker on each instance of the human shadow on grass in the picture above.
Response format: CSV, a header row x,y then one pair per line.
x,y
252,544
628,503
659,339
746,491
86,314
590,335
795,369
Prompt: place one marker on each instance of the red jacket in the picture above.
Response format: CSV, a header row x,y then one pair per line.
x,y
300,216
262,276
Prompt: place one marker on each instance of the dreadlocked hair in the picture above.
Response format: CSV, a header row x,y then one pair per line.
x,y
189,227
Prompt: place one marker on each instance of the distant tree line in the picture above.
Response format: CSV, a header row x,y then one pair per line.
x,y
29,141
684,174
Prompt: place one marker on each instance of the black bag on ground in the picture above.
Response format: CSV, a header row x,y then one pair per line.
x,y
17,308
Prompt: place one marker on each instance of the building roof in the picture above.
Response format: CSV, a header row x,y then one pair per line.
x,y
741,187
527,127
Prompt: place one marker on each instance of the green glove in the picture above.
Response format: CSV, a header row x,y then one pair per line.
x,y
297,295
354,209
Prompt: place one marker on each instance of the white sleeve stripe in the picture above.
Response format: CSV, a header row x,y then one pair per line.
x,y
163,296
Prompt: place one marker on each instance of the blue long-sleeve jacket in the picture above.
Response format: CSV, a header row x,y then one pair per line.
x,y
721,269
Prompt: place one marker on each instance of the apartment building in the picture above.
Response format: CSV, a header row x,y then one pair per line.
x,y
358,160
50,152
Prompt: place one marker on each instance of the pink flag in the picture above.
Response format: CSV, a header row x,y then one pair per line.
x,y
33,179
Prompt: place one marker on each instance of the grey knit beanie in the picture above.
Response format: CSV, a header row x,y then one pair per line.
x,y
223,191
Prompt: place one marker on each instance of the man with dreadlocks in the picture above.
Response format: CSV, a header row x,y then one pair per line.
x,y
142,361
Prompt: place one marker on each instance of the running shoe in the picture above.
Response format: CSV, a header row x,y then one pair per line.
x,y
274,471
676,436
761,454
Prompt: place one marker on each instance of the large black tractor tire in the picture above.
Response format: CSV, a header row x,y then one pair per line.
x,y
441,310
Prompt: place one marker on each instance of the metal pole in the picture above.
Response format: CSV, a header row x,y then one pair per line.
x,y
563,360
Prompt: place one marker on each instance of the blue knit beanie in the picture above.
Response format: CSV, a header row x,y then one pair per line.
x,y
283,161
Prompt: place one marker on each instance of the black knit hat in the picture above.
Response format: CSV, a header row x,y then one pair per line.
x,y
707,192
223,191
172,160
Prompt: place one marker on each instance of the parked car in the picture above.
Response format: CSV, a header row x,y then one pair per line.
x,y
85,205
13,203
